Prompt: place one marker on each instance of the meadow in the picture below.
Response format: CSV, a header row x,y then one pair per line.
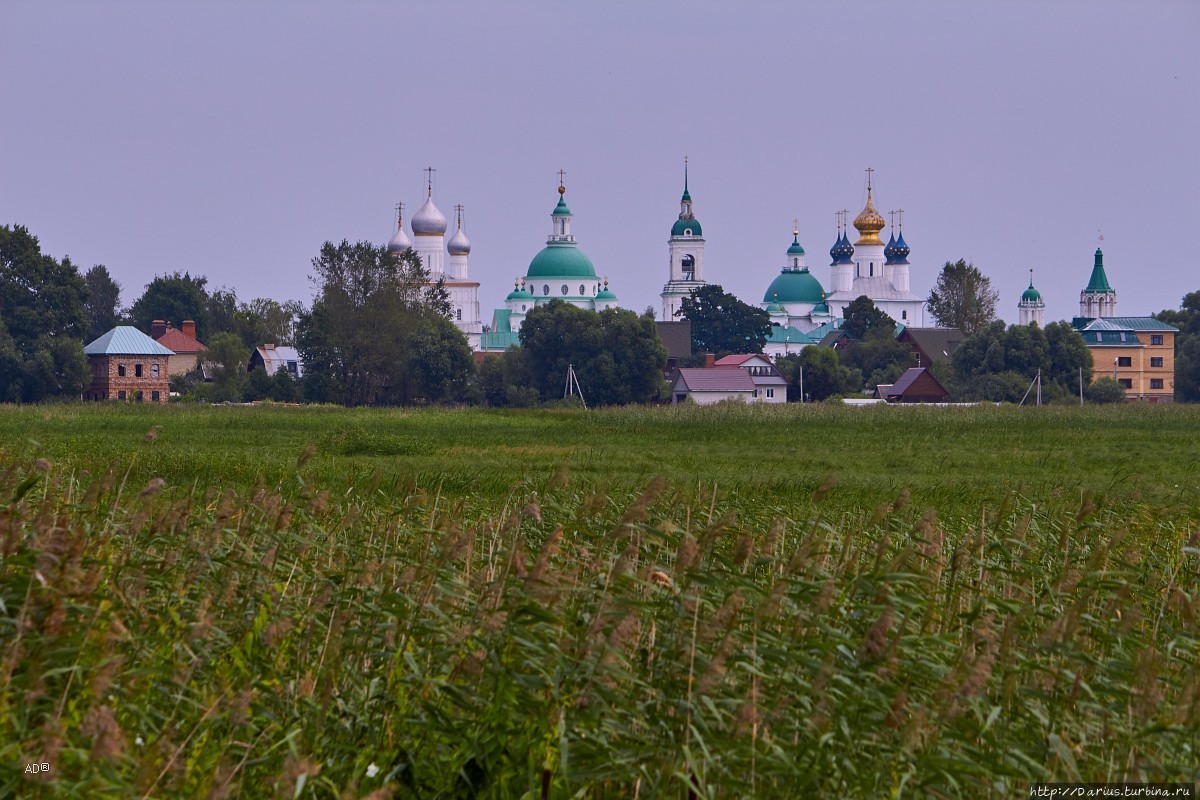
x,y
678,602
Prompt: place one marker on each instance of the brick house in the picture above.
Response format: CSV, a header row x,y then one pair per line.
x,y
126,364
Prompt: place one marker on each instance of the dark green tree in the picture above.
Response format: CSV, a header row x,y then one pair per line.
x,y
441,365
962,298
1187,346
723,324
284,388
357,339
229,357
1105,390
507,380
43,319
1069,356
103,302
617,355
873,349
862,319
823,374
174,298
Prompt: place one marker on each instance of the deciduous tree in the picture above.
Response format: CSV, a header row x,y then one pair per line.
x,y
617,355
103,302
962,298
723,324
174,298
42,321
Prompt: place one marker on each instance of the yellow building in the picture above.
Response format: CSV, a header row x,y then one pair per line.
x,y
1138,352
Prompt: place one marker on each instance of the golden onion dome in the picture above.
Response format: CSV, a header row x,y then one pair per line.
x,y
869,223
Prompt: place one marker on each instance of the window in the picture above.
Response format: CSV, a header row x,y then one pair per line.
x,y
770,392
689,267
137,396
904,314
1156,361
155,396
1156,338
121,372
137,370
582,289
545,288
121,394
1156,383
458,314
1126,382
1124,361
154,372
756,392
565,289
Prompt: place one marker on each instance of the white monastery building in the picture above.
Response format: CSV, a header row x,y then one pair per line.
x,y
429,241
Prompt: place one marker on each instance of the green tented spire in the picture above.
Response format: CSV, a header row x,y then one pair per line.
x,y
1099,281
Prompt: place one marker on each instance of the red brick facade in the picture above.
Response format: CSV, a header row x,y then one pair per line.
x,y
135,379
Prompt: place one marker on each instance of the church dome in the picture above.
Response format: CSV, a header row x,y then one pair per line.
x,y
869,223
902,249
794,286
842,250
560,260
686,227
606,295
400,242
459,244
1031,295
795,249
429,221
519,293
889,251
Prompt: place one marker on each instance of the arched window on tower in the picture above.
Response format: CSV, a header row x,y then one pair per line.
x,y
689,268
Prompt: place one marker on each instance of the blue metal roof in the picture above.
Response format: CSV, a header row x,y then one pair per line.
x,y
126,340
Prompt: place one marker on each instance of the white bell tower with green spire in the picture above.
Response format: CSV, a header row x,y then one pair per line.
x,y
686,247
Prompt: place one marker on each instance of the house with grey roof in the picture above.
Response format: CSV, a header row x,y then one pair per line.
x,y
128,365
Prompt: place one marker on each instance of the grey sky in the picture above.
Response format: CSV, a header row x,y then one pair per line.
x,y
232,139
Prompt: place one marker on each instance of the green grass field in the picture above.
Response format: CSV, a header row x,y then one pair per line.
x,y
707,602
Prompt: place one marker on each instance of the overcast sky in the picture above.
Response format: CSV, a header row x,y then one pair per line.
x,y
231,139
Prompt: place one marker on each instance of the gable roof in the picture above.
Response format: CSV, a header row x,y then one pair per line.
x,y
676,337
910,377
738,360
126,340
276,357
715,380
939,343
179,342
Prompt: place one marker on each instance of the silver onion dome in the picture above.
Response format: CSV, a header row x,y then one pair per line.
x,y
459,244
429,220
401,241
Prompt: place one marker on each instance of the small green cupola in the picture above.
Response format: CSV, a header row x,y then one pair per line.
x,y
687,224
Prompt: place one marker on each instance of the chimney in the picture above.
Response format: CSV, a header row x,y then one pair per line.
x,y
157,328
709,361
189,327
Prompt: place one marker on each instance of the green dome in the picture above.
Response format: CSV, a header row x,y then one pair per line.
x,y
561,209
606,294
795,249
774,308
681,227
794,286
1031,295
561,261
519,294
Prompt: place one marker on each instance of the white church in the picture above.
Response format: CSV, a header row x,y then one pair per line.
x,y
429,241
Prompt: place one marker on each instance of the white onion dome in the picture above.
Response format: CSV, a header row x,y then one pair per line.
x,y
429,221
459,244
401,241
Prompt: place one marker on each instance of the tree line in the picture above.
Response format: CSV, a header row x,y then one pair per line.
x,y
379,332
